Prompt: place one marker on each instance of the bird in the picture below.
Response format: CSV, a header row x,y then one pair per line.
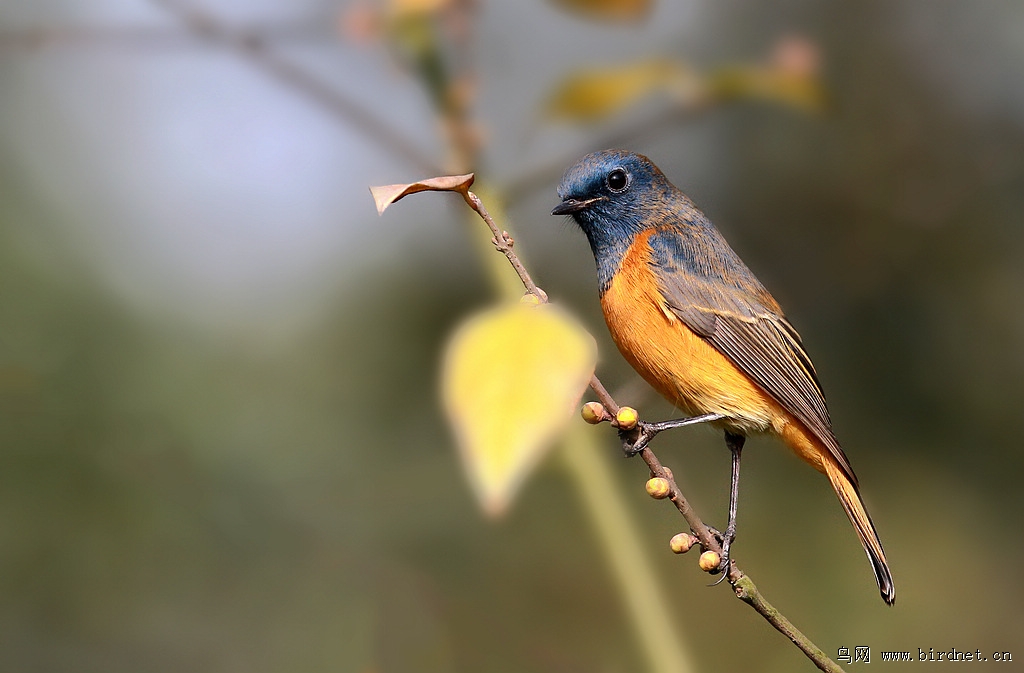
x,y
701,329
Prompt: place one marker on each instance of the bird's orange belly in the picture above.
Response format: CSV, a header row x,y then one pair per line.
x,y
680,365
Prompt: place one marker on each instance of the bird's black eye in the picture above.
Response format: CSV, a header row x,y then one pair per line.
x,y
617,180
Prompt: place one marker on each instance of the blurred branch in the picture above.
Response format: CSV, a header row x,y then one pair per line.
x,y
543,176
147,36
253,44
255,49
461,89
649,607
788,75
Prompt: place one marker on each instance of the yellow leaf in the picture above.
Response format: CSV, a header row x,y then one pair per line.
x,y
797,89
385,195
790,76
512,377
591,95
405,8
607,10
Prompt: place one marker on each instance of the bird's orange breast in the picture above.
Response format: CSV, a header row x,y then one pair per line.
x,y
680,365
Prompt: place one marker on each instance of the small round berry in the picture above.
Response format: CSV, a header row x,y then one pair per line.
x,y
658,488
709,560
593,413
627,418
530,299
681,543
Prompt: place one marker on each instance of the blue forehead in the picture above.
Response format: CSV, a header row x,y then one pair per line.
x,y
587,176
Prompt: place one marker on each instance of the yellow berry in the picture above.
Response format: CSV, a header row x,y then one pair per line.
x,y
681,543
593,412
658,488
627,418
530,298
709,560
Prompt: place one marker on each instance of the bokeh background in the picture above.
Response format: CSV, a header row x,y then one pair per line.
x,y
220,442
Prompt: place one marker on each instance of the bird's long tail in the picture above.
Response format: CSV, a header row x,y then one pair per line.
x,y
854,506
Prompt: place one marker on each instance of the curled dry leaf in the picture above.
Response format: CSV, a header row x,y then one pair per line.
x,y
512,377
385,195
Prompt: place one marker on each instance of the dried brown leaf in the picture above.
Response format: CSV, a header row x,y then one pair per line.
x,y
385,195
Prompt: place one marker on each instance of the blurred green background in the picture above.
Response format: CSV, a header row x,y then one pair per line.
x,y
220,444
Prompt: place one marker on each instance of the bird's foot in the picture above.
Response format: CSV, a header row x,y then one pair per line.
x,y
725,540
636,439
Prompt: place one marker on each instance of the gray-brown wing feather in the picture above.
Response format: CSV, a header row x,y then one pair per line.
x,y
757,339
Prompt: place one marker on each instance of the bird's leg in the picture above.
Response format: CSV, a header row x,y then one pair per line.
x,y
636,440
735,444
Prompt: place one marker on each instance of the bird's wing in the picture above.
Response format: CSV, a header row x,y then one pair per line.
x,y
744,323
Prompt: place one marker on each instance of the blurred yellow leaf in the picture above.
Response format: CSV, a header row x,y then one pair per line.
x,y
404,8
385,195
591,95
788,86
512,377
607,10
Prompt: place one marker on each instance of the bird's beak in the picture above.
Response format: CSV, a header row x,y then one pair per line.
x,y
570,206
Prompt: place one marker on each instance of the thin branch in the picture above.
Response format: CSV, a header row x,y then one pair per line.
x,y
603,396
747,592
699,528
742,585
503,242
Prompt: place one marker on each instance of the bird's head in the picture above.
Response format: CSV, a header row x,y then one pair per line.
x,y
613,195
609,193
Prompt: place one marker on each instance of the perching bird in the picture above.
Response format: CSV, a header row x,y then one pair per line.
x,y
693,320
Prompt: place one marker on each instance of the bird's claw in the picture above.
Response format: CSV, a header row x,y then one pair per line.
x,y
636,440
725,540
724,572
